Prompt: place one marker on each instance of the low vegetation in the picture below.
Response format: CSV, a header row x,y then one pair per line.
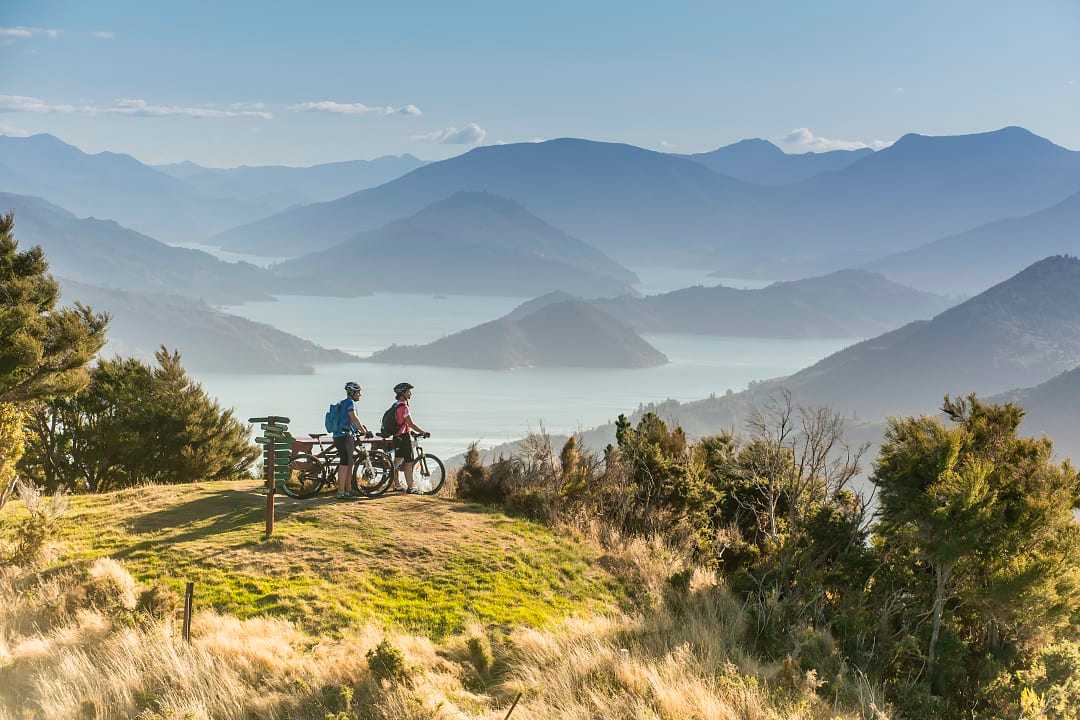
x,y
427,566
959,596
85,639
134,424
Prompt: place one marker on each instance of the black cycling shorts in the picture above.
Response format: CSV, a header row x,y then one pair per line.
x,y
404,447
346,447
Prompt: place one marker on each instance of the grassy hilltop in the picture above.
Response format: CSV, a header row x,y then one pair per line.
x,y
426,565
399,609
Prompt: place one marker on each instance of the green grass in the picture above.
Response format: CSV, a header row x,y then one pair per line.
x,y
425,564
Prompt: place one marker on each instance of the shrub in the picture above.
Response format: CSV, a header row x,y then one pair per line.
x,y
34,531
480,654
387,663
158,601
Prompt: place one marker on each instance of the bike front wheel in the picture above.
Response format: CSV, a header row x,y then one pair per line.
x,y
373,477
430,474
307,474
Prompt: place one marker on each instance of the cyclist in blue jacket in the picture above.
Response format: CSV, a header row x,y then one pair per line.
x,y
344,439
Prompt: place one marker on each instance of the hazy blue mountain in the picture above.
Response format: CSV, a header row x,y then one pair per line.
x,y
847,303
624,200
974,260
641,206
1018,333
102,252
762,163
546,332
917,189
539,303
210,340
116,186
472,243
280,187
182,170
1051,408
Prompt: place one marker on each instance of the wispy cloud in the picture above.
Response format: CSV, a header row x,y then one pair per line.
x,y
12,131
667,145
340,108
24,103
22,32
470,134
135,107
806,138
104,35
142,108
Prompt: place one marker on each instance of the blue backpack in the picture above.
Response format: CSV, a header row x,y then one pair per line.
x,y
333,422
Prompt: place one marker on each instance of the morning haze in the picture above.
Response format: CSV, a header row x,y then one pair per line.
x,y
536,361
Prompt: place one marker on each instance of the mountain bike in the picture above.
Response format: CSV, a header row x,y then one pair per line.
x,y
310,472
428,476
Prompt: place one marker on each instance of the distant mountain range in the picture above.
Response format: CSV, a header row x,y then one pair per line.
x,y
642,206
846,304
762,163
117,187
974,260
1051,408
209,340
919,189
1017,334
470,243
179,203
627,201
550,331
278,186
102,252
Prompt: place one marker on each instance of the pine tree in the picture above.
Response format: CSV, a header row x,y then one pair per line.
x,y
43,350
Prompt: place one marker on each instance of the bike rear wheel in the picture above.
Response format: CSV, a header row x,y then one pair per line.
x,y
307,474
373,480
430,474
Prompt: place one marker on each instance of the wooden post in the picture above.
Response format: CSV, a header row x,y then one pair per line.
x,y
275,430
271,485
189,604
514,705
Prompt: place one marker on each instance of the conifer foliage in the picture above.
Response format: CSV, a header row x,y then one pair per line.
x,y
135,423
43,349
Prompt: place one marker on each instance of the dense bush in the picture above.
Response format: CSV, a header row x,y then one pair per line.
x,y
961,595
43,349
135,423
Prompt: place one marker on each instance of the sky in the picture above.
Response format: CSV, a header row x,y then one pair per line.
x,y
238,82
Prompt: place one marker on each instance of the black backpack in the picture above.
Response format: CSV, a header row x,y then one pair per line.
x,y
389,426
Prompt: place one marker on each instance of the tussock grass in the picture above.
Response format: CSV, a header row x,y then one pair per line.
x,y
72,647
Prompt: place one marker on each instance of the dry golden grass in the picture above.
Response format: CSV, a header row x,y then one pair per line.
x,y
71,646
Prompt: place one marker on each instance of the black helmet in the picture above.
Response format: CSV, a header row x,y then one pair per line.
x,y
351,387
402,387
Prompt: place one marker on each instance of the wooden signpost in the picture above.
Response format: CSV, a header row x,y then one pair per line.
x,y
276,442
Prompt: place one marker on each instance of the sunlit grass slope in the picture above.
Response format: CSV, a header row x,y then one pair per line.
x,y
427,565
